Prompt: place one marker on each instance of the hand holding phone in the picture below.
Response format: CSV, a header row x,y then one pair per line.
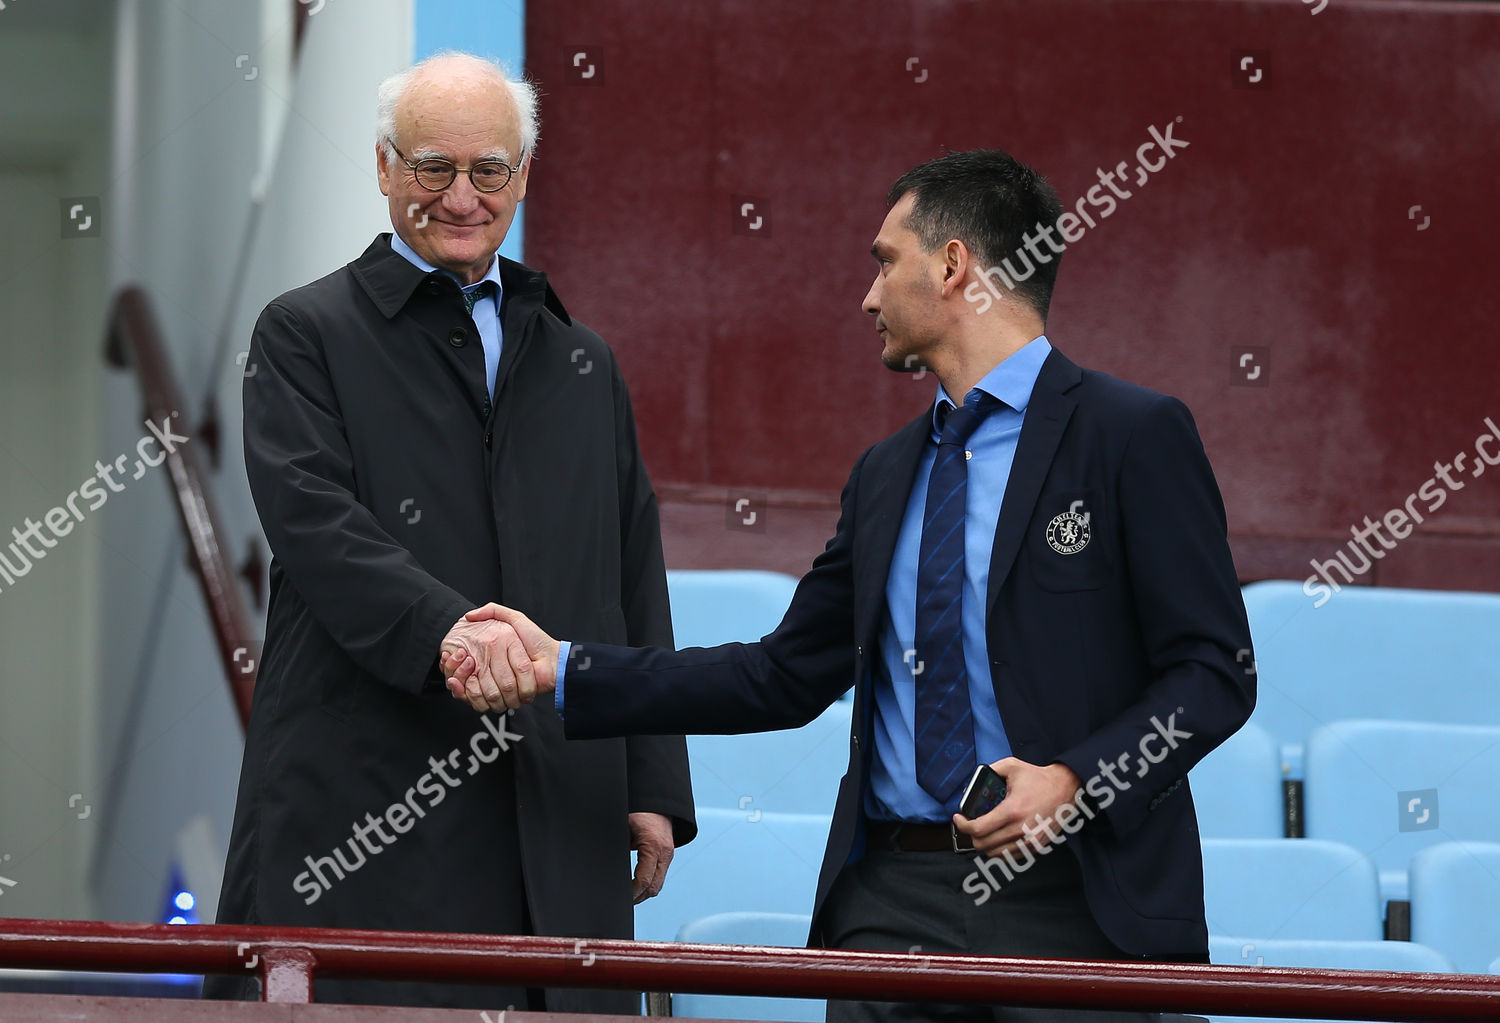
x,y
983,793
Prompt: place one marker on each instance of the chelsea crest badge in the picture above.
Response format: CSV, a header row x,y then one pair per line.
x,y
1068,533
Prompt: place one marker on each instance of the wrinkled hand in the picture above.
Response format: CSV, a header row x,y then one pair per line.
x,y
486,664
535,647
1030,791
651,840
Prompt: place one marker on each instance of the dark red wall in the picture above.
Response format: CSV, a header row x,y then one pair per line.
x,y
1283,228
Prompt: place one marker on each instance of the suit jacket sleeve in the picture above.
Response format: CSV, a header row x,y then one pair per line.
x,y
658,779
364,588
1192,618
784,681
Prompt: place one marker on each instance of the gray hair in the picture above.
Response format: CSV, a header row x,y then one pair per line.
x,y
393,88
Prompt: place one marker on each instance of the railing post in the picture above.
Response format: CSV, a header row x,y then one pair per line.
x,y
286,975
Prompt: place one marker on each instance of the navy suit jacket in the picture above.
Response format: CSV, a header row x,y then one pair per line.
x,y
1139,632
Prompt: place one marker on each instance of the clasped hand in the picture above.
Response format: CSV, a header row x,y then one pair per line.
x,y
498,659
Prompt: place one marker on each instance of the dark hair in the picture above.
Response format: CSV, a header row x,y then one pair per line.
x,y
988,200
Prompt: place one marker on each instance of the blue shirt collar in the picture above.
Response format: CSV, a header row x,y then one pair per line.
x,y
493,274
1011,381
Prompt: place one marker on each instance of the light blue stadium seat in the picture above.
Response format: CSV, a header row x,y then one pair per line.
x,y
741,861
791,771
1370,784
1455,902
710,607
1237,787
1322,955
786,930
1371,652
1290,888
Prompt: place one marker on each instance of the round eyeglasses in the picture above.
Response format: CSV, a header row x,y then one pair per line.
x,y
435,175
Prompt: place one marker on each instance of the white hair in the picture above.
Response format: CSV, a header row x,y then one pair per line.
x,y
394,88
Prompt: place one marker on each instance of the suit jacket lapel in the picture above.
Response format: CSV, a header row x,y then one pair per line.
x,y
1047,415
878,519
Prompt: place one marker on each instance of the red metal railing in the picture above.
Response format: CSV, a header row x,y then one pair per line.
x,y
287,958
134,338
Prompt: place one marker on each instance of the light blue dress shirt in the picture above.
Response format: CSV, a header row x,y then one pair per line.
x,y
893,792
486,311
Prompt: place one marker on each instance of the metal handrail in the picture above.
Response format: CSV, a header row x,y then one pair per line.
x,y
133,337
287,958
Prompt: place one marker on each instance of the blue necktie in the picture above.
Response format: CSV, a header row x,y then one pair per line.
x,y
472,295
944,719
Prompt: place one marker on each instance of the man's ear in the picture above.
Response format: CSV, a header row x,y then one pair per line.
x,y
956,262
522,177
382,169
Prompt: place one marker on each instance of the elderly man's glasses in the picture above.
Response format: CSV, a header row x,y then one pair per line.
x,y
436,175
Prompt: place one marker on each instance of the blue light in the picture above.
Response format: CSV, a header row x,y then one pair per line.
x,y
185,901
178,920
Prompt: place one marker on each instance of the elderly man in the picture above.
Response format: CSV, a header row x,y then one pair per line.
x,y
427,430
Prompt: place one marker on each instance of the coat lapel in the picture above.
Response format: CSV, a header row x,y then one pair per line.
x,y
525,293
878,519
1047,415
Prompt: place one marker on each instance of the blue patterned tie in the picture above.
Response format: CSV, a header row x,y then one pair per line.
x,y
944,720
474,294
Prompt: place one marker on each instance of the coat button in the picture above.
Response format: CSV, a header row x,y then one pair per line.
x,y
488,439
486,409
458,339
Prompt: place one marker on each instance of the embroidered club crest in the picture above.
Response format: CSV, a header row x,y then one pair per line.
x,y
1068,533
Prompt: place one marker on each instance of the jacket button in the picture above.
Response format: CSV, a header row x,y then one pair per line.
x,y
458,339
488,439
486,408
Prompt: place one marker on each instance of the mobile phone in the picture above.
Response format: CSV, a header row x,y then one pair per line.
x,y
984,792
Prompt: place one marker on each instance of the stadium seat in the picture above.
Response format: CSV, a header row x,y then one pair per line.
x,y
1237,787
1392,788
1290,888
742,860
1224,950
788,930
1322,955
791,771
1455,902
1371,652
711,607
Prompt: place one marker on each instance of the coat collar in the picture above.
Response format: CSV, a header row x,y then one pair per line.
x,y
892,478
390,280
1046,418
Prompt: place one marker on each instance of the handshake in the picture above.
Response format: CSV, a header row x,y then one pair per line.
x,y
498,659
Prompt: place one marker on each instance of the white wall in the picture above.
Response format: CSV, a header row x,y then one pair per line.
x,y
52,83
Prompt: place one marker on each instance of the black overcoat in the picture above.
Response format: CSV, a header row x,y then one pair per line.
x,y
395,496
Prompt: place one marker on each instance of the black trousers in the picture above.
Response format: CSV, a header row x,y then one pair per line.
x,y
893,901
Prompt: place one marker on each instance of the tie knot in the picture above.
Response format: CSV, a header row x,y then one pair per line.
x,y
958,424
474,294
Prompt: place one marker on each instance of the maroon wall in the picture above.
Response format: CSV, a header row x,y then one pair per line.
x,y
1284,228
